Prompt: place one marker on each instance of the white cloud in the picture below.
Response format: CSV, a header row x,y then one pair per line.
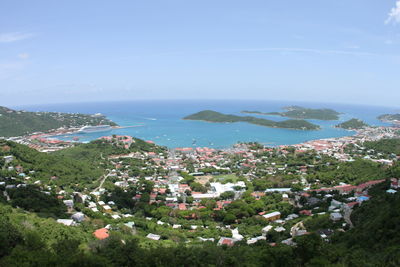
x,y
14,36
23,56
394,14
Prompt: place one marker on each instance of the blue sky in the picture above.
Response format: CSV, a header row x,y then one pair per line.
x,y
72,51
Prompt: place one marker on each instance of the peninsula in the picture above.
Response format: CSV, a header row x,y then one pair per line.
x,y
352,124
213,116
297,112
18,123
392,118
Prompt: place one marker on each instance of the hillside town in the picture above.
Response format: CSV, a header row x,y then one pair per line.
x,y
203,194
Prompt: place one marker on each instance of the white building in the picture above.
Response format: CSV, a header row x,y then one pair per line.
x,y
235,235
278,190
335,216
267,228
69,203
153,236
272,216
222,188
78,217
204,196
8,159
67,222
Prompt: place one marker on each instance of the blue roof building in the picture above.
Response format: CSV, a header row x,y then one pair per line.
x,y
362,198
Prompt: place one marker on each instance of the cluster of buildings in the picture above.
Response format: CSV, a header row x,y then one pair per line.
x,y
44,142
212,171
124,141
336,147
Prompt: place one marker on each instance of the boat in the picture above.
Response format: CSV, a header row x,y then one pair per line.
x,y
94,129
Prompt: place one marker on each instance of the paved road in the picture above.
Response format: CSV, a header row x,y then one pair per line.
x,y
103,178
346,216
102,181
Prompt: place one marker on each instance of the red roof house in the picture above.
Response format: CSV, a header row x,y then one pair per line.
x,y
101,233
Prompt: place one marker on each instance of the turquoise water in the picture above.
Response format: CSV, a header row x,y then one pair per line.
x,y
162,121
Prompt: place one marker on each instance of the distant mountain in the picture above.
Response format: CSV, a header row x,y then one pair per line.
x,y
352,124
297,112
213,116
17,123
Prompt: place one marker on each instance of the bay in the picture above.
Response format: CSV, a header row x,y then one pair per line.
x,y
161,121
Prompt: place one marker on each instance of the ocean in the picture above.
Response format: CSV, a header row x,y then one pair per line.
x,y
161,121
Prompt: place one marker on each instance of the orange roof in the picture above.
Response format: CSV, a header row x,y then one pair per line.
x,y
101,233
306,212
227,242
182,206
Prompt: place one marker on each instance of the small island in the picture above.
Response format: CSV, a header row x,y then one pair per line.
x,y
352,124
297,112
213,116
392,118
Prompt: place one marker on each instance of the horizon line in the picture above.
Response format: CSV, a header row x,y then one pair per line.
x,y
202,99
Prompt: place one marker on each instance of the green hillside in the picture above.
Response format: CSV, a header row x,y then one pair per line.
x,y
17,123
297,112
386,146
28,240
352,124
75,167
66,171
213,116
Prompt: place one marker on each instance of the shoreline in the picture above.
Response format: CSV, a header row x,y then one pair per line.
x,y
50,140
282,116
357,134
72,131
69,143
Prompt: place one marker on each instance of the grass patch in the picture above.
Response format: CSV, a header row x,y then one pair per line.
x,y
226,178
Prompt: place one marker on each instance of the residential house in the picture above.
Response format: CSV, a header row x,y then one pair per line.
x,y
272,216
101,233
